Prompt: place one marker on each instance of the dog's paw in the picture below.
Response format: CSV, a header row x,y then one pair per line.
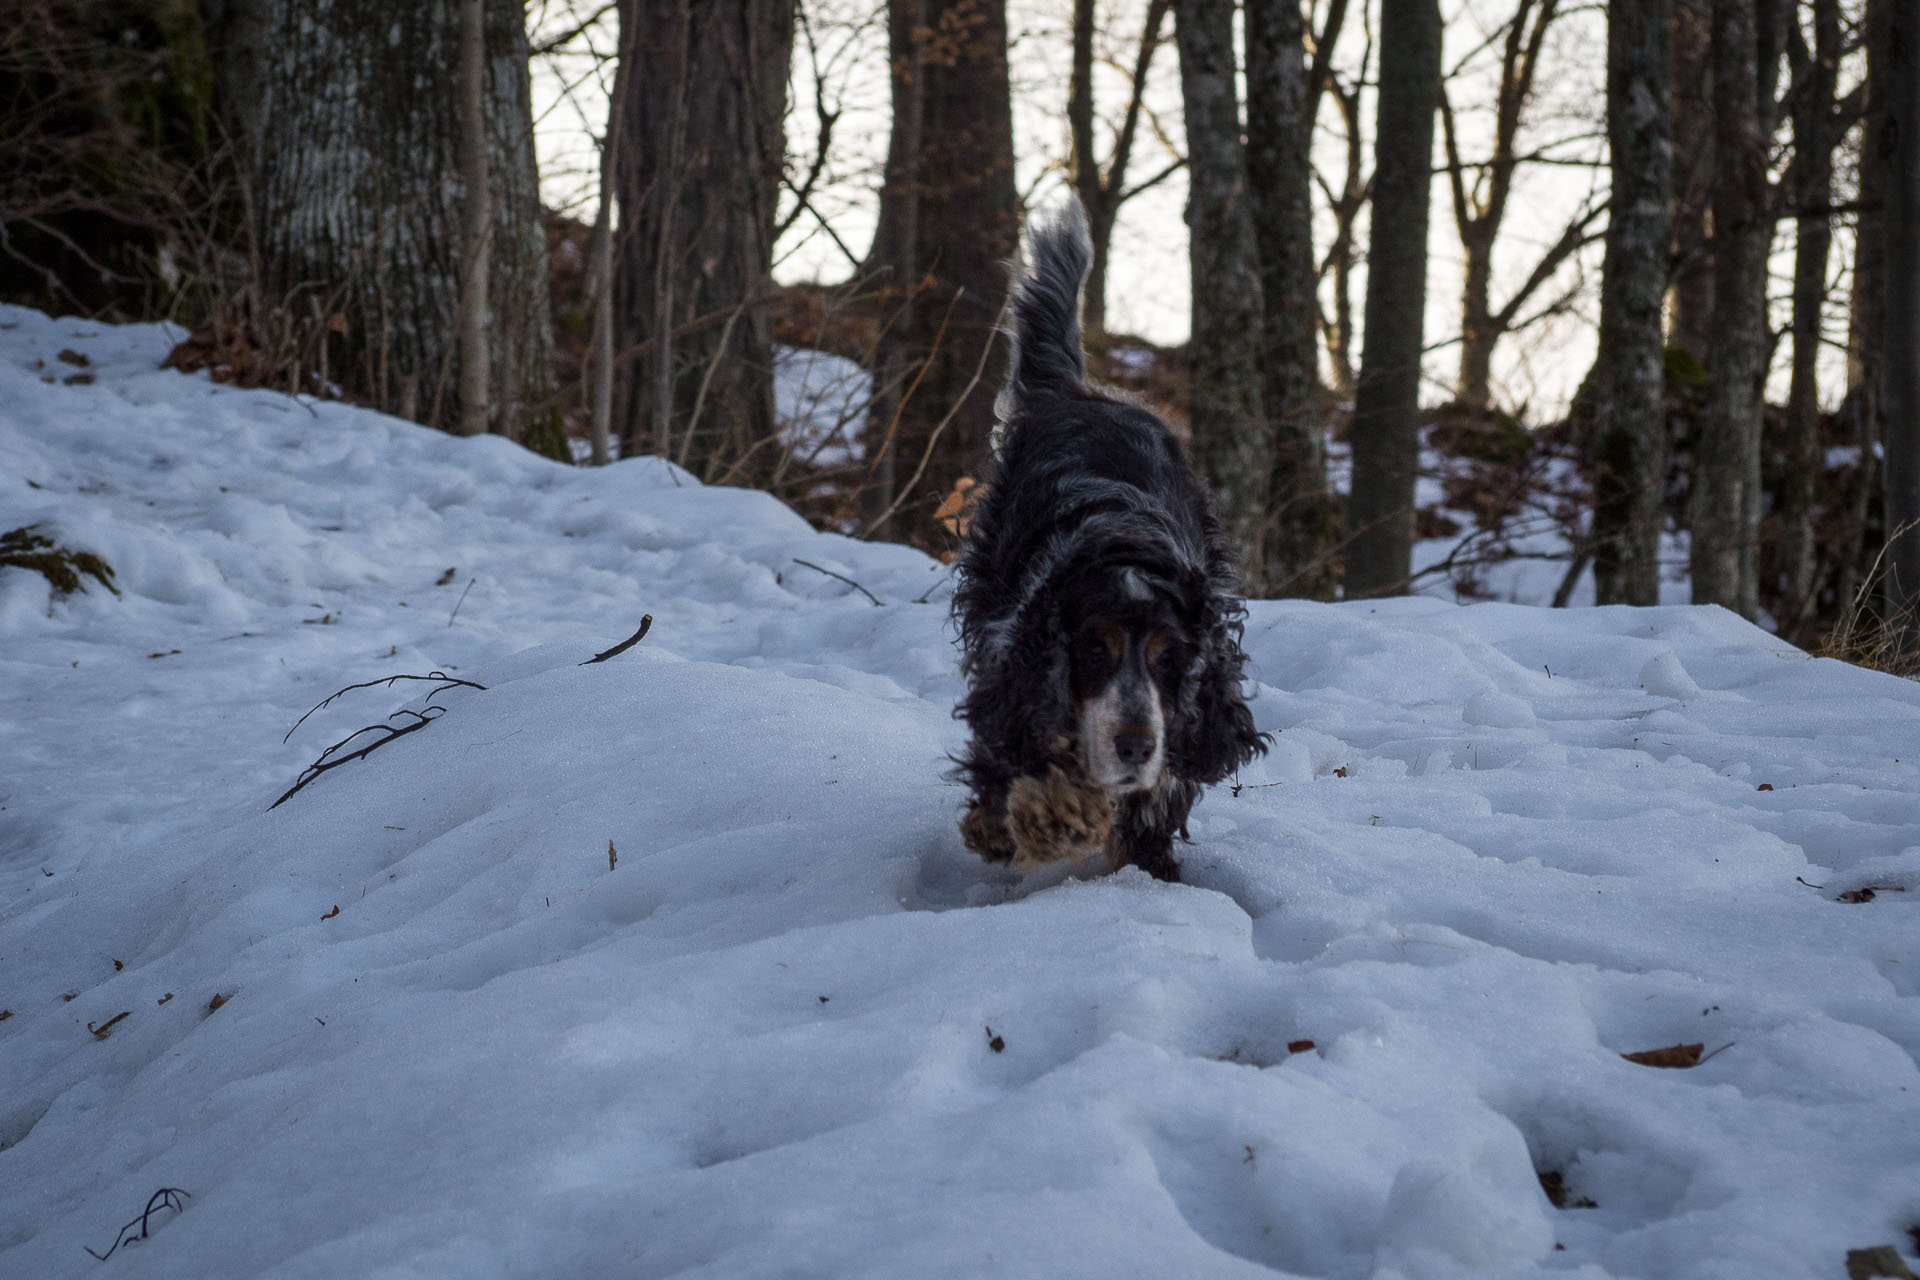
x,y
985,832
1056,817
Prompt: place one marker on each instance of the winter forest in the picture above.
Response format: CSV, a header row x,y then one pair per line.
x,y
1632,286
369,906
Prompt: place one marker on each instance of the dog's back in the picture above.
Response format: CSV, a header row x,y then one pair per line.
x,y
1074,460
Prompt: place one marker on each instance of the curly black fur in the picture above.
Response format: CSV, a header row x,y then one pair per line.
x,y
1093,511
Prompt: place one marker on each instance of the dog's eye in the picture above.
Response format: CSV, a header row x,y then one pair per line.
x,y
1093,650
1169,656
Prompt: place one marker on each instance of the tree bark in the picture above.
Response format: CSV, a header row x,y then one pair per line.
x,y
1299,551
476,358
1386,423
1897,152
1628,453
1345,207
1232,440
1724,513
1866,311
949,223
1691,294
1810,184
698,172
346,112
600,267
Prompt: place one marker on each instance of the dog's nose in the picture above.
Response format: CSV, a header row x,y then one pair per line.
x,y
1134,746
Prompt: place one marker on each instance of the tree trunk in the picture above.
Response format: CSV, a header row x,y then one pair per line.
x,y
1691,293
1232,440
1103,191
949,222
1478,212
600,268
1809,183
1083,169
698,172
1897,151
1866,311
1629,446
1473,385
1386,422
1338,327
1299,548
476,358
347,116
1726,459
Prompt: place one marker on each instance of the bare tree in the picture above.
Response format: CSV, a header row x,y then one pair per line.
x,y
1103,188
949,222
698,172
1386,427
1726,463
1628,452
1690,296
1281,100
347,117
1480,207
476,358
1895,67
1809,184
1232,442
1344,204
1866,303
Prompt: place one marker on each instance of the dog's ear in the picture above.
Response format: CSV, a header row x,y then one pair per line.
x,y
1023,703
1213,732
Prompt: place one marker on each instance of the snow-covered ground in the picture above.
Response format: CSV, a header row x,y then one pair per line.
x,y
674,964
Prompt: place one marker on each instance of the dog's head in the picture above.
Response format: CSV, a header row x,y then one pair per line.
x,y
1131,659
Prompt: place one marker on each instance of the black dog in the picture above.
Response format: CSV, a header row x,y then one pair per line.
x,y
1097,607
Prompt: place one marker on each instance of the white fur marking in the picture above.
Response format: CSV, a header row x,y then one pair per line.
x,y
1101,719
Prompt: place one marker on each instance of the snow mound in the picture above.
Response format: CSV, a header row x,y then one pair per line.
x,y
673,964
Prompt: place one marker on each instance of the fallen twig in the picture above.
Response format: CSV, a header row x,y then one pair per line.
x,y
462,600
646,624
842,577
165,1198
420,721
437,677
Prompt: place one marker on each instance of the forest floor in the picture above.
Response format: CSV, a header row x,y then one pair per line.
x,y
1543,942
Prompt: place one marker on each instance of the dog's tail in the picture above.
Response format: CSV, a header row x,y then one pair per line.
x,y
1047,358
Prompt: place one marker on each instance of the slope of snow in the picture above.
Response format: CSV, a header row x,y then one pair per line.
x,y
790,1026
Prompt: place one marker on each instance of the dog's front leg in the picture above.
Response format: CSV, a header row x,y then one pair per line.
x,y
1056,816
984,829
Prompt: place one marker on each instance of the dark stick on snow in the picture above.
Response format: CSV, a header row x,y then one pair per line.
x,y
326,761
842,577
165,1198
440,678
462,600
646,624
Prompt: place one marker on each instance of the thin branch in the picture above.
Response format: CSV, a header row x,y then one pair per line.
x,y
842,577
578,29
327,761
438,678
165,1198
646,625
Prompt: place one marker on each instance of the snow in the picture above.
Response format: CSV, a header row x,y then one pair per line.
x,y
822,401
789,1026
